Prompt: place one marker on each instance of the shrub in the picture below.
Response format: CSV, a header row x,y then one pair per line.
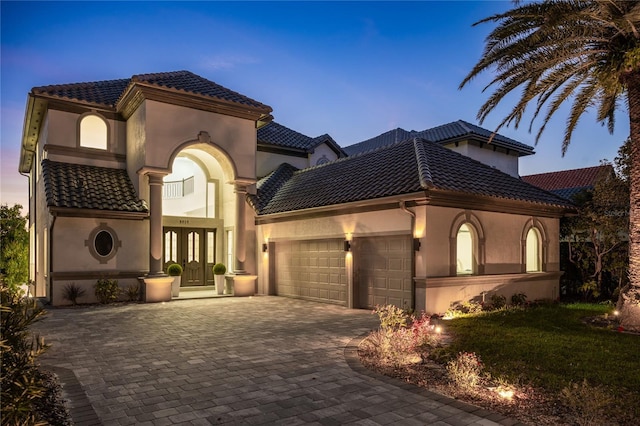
x,y
519,299
465,370
72,293
397,343
392,346
469,307
107,290
588,403
423,331
133,293
497,301
21,384
174,270
391,317
219,269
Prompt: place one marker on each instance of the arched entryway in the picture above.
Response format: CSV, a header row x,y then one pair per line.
x,y
199,214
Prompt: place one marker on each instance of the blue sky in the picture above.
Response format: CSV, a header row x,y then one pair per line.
x,y
349,69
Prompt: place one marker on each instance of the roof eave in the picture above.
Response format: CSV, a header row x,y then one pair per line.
x,y
465,200
137,92
33,118
385,203
485,141
97,213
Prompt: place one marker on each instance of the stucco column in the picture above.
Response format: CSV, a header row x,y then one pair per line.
x,y
155,224
240,238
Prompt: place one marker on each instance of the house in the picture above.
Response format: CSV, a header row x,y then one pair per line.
x,y
129,176
567,183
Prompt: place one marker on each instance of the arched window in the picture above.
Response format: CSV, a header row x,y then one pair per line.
x,y
533,250
93,132
465,245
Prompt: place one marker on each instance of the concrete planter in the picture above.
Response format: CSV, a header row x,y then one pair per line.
x,y
219,280
244,285
157,289
175,286
228,284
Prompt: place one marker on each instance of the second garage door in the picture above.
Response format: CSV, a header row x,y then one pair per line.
x,y
383,267
311,269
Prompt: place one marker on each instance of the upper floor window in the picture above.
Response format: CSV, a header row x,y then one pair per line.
x,y
533,251
465,250
93,132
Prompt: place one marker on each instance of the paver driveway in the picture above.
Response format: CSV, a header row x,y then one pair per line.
x,y
259,360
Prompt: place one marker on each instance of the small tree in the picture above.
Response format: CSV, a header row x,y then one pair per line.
x,y
597,238
14,246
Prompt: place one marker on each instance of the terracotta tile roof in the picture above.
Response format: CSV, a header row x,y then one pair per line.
x,y
403,168
278,135
566,179
108,92
269,185
443,135
105,92
88,187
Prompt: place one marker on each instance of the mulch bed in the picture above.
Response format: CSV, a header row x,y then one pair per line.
x,y
529,405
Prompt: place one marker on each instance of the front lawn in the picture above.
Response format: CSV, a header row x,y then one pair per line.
x,y
591,374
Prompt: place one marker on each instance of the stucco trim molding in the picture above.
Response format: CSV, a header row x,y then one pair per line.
x,y
457,281
81,152
96,275
97,214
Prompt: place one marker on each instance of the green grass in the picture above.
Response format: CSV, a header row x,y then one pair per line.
x,y
550,347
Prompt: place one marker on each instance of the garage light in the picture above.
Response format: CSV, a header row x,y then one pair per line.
x,y
347,245
416,244
265,247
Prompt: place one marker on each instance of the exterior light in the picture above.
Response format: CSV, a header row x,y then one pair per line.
x,y
438,329
616,312
265,247
347,245
416,244
506,393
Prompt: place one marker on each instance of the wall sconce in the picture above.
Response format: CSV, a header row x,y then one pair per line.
x,y
347,245
265,247
416,244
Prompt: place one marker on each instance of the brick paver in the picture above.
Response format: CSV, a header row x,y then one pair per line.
x,y
258,360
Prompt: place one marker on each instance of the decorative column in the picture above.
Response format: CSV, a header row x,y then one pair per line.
x,y
155,224
157,283
240,190
243,284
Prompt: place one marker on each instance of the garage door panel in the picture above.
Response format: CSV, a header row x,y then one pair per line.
x,y
384,271
311,269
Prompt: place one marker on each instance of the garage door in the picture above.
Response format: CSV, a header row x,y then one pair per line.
x,y
311,269
383,269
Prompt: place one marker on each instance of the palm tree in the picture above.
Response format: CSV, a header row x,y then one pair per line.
x,y
586,52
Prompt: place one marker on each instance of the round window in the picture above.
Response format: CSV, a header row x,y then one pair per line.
x,y
103,243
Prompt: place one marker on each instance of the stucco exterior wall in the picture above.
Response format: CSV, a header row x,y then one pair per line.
x,y
266,162
169,126
62,131
72,252
507,163
503,239
321,151
439,294
72,261
40,218
136,150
